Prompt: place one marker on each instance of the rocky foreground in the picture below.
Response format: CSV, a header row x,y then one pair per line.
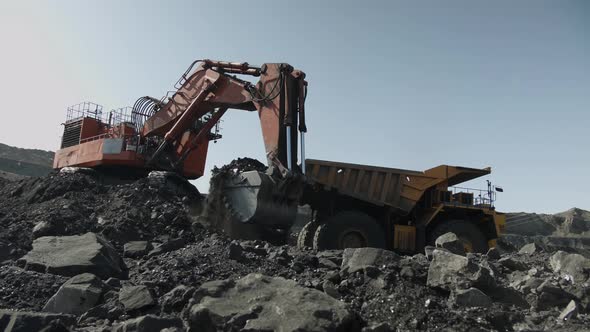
x,y
81,255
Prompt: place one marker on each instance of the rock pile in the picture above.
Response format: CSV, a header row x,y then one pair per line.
x,y
78,254
151,209
77,295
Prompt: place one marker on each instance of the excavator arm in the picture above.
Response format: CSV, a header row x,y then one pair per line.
x,y
209,91
213,88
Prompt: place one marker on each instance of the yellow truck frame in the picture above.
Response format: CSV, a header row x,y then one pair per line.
x,y
403,210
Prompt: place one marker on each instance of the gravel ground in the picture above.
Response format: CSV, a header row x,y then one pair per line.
x,y
395,294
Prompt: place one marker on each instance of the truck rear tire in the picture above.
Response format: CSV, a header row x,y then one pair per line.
x,y
349,229
474,240
306,235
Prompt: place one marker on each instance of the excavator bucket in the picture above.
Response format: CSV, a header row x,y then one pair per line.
x,y
247,202
255,197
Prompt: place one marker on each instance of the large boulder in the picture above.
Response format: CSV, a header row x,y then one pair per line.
x,y
136,249
451,271
24,321
136,297
109,308
471,297
529,249
510,296
177,298
261,303
358,259
148,323
446,269
574,265
552,295
451,242
77,295
73,255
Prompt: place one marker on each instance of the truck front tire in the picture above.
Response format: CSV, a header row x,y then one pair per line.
x,y
349,229
474,240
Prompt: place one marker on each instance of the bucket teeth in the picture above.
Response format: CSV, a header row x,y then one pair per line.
x,y
248,198
230,209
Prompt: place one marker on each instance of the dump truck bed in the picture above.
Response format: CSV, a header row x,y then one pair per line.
x,y
400,189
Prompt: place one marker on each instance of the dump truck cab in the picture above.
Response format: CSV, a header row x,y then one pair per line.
x,y
403,210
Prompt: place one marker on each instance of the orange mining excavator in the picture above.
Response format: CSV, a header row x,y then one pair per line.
x,y
353,205
173,133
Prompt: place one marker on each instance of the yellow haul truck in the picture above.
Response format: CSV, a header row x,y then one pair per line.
x,y
402,210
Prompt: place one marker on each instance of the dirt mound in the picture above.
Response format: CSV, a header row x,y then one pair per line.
x,y
28,290
75,203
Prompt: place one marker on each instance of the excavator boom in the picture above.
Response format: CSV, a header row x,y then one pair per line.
x,y
278,97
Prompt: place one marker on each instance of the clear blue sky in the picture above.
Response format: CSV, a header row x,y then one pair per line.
x,y
409,84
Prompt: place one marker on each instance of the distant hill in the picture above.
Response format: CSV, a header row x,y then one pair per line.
x,y
11,176
16,163
33,156
573,222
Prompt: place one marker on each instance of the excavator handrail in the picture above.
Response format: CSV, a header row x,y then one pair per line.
x,y
105,135
183,77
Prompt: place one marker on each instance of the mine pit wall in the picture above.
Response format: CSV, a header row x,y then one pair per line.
x,y
23,168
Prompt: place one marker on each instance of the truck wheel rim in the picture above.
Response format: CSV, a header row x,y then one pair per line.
x,y
352,239
467,245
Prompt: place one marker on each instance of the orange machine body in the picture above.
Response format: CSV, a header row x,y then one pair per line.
x,y
94,143
173,134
